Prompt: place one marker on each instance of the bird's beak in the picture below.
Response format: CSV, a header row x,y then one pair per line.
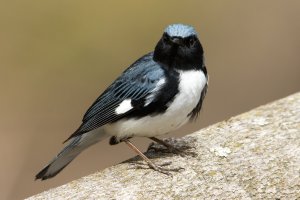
x,y
177,40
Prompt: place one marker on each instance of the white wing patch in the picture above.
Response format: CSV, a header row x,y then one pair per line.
x,y
124,107
158,86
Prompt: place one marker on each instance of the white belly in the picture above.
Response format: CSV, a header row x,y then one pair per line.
x,y
190,88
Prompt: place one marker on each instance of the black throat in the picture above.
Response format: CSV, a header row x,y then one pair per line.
x,y
176,57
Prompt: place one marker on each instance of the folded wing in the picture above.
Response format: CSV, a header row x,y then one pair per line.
x,y
134,88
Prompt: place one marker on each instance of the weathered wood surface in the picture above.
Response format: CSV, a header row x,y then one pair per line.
x,y
255,155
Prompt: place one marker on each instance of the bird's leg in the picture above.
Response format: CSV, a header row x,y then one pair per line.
x,y
149,162
169,147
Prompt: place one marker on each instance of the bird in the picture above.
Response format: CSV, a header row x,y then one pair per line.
x,y
157,94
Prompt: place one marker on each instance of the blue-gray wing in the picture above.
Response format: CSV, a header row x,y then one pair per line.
x,y
136,84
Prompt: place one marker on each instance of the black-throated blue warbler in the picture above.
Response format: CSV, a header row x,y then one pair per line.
x,y
157,94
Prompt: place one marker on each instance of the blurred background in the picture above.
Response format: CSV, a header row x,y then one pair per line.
x,y
56,57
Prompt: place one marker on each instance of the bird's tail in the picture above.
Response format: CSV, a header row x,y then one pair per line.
x,y
73,148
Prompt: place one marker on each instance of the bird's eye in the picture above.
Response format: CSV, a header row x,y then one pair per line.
x,y
192,41
165,38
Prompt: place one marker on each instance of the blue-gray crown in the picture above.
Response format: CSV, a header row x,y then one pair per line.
x,y
180,30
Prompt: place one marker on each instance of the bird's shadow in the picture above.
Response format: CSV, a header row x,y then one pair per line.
x,y
184,147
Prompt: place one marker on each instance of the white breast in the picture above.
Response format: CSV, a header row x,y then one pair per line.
x,y
190,87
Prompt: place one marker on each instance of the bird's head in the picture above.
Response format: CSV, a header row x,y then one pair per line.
x,y
179,47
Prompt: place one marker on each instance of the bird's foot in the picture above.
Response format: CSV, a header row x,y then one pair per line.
x,y
159,168
166,171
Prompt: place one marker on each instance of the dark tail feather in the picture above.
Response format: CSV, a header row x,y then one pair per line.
x,y
61,160
75,146
43,174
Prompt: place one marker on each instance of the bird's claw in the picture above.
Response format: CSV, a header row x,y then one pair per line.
x,y
159,168
165,171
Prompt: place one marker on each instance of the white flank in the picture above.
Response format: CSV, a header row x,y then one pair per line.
x,y
158,86
190,87
124,107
